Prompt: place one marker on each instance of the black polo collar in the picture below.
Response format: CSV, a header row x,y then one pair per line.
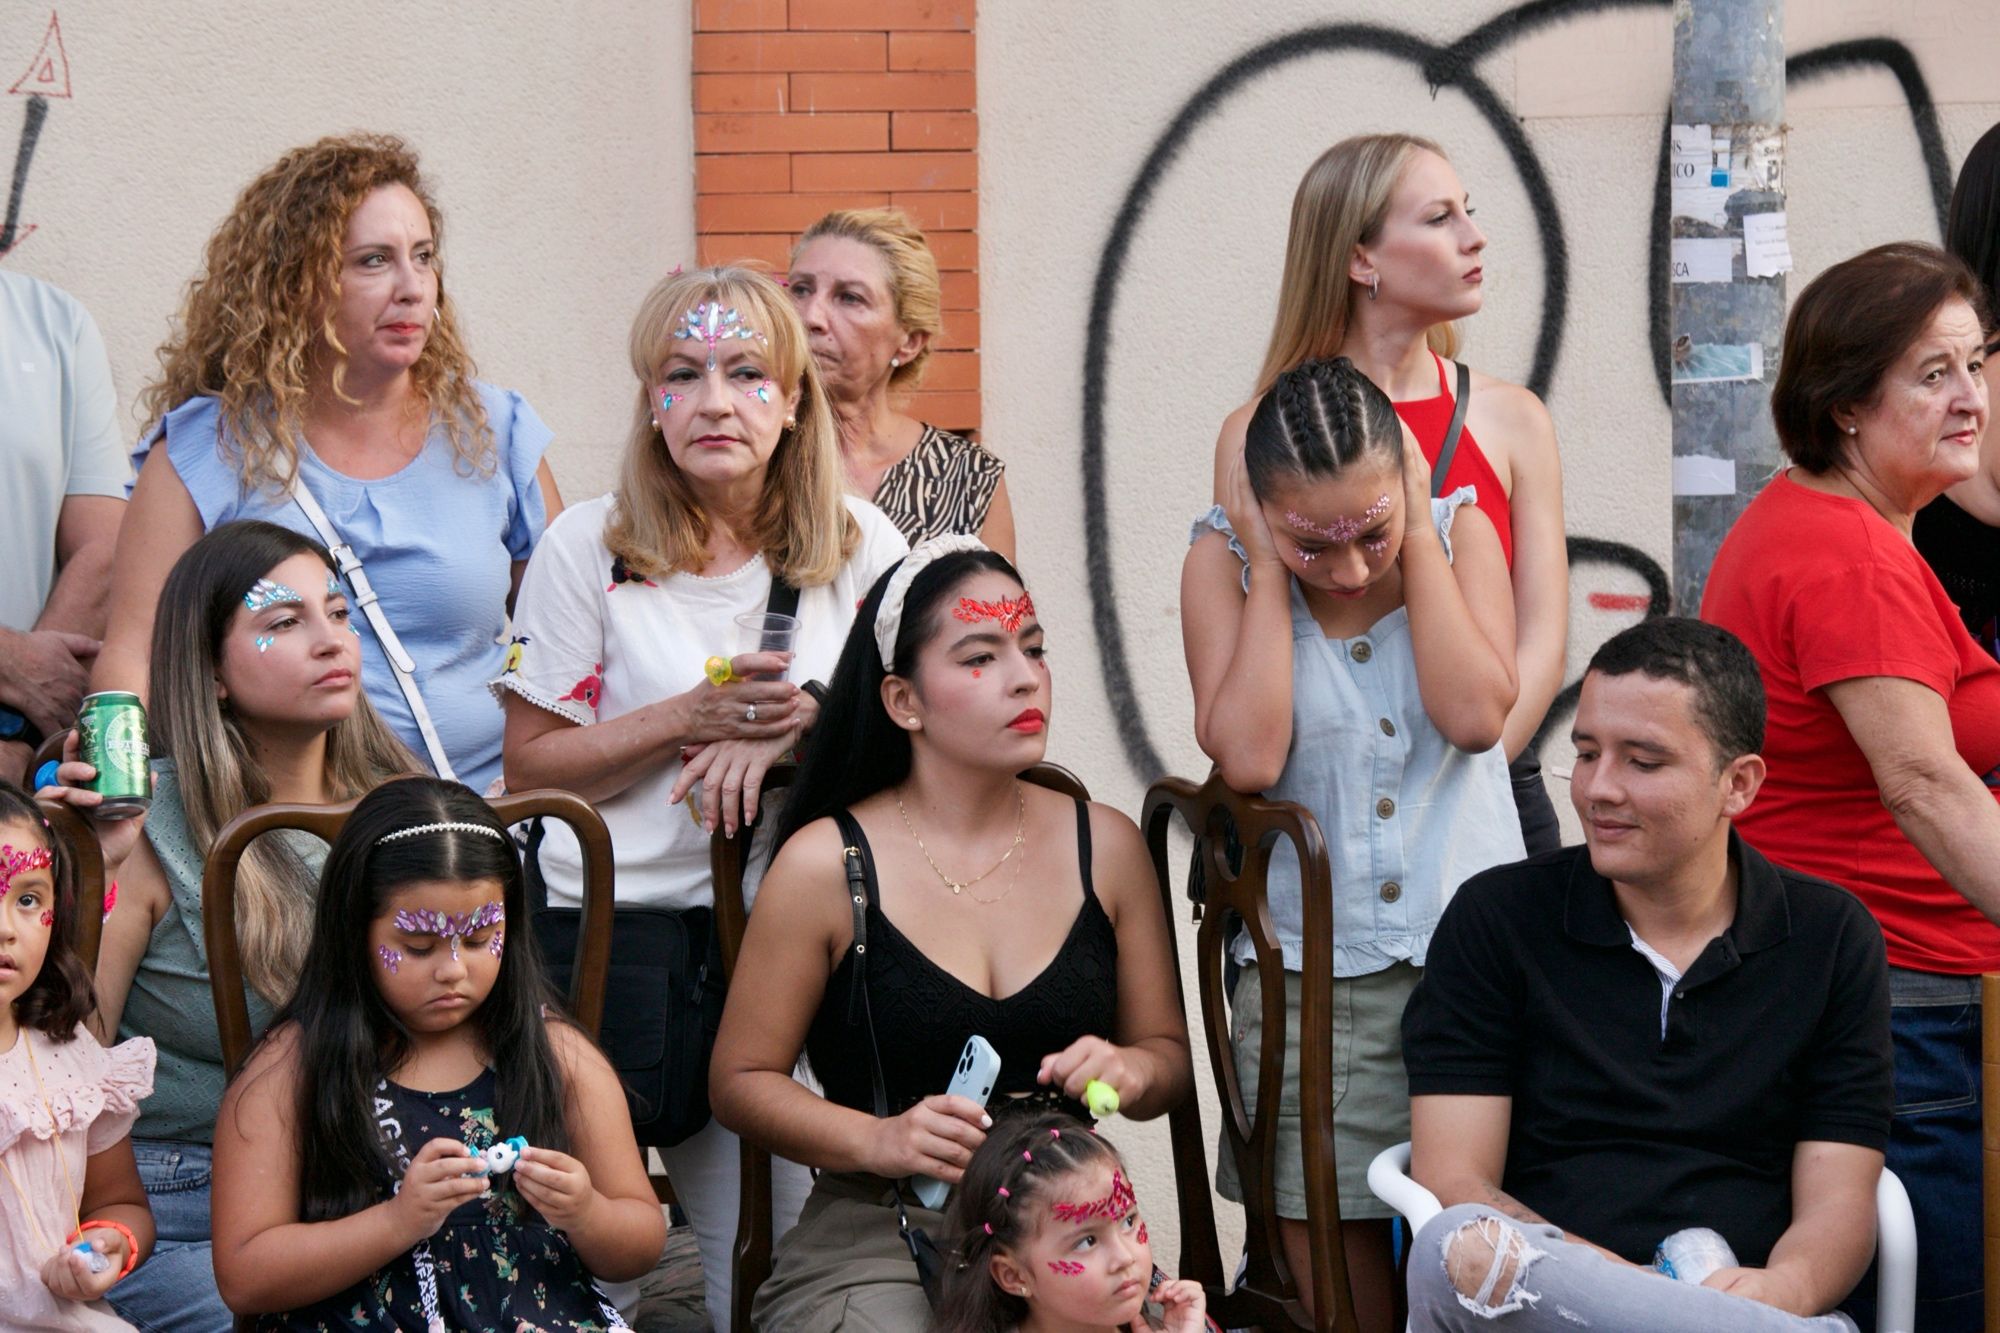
x,y
1763,914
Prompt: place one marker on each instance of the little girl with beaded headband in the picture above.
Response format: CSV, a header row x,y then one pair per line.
x,y
352,1185
1047,1233
73,1217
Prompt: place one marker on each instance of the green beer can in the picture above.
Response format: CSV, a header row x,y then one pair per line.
x,y
111,737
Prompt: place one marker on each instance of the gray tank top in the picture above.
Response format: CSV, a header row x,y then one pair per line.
x,y
170,999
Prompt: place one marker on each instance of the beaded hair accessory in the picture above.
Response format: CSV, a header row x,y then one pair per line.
x,y
889,616
445,826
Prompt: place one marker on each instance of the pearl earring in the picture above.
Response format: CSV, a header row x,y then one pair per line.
x,y
1851,430
895,361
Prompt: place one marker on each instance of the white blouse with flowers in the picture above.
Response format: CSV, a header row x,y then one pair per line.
x,y
593,642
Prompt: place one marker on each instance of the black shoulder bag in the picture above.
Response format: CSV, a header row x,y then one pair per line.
x,y
665,988
923,1250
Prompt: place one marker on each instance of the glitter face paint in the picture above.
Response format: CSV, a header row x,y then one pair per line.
x,y
265,593
1341,529
1009,611
265,641
451,927
1142,1234
333,588
498,944
48,918
711,323
1066,1267
762,393
19,862
391,958
668,398
1115,1204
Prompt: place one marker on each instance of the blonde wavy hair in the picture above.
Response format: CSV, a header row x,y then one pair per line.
x,y
802,524
214,765
1341,202
913,273
257,322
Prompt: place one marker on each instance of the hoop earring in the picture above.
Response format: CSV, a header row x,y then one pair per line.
x,y
1374,285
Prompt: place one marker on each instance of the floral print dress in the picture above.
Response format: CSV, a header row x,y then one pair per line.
x,y
494,1264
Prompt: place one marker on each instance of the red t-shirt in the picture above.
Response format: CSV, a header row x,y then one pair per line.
x,y
1823,590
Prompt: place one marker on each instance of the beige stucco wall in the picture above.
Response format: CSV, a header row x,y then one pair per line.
x,y
556,139
1072,99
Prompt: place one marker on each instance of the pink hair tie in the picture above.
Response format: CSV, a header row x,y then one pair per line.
x,y
1027,1156
989,1228
1004,1193
1055,1133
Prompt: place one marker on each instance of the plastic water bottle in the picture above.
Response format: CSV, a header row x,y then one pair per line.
x,y
1693,1255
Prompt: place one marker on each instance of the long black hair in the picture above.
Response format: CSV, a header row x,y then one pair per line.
x,y
61,995
995,1207
1319,417
1972,227
348,1040
856,748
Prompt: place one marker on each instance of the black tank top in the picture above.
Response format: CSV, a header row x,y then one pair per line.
x,y
924,1014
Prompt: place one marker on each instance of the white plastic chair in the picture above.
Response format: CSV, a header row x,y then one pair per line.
x,y
1895,1232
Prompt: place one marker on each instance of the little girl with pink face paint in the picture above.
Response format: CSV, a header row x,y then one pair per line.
x,y
1350,641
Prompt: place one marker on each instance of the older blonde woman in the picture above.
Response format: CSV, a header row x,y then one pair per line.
x,y
318,364
866,285
731,481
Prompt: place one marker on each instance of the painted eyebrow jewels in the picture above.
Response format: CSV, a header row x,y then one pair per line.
x,y
1115,1204
451,927
1009,611
19,862
713,324
265,592
1341,529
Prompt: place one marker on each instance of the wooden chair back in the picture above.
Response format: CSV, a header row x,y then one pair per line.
x,y
752,1255
1269,1294
218,901
1989,1099
51,748
76,832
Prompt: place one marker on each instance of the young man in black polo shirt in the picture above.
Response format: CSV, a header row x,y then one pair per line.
x,y
1658,1031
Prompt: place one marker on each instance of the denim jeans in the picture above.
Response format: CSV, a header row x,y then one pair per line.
x,y
1934,1146
174,1290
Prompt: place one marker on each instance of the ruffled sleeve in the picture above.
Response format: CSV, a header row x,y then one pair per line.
x,y
1216,520
556,658
82,1086
192,434
127,1080
521,438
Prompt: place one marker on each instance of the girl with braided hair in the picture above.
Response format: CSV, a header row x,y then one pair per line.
x,y
1351,645
1047,1233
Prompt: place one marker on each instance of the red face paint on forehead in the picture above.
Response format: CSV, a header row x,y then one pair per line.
x,y
1009,611
1115,1204
19,861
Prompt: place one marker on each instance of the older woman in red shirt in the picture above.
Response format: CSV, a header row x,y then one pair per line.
x,y
1884,733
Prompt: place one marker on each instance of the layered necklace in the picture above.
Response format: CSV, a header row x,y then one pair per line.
x,y
959,886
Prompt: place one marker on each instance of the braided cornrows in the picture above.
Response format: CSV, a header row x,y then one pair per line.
x,y
994,1208
1319,417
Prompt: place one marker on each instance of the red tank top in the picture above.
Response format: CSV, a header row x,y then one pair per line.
x,y
1428,419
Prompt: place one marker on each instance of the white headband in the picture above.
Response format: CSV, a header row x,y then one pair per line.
x,y
449,826
889,616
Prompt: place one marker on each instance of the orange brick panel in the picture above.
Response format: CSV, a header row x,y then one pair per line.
x,y
949,15
763,93
941,212
952,411
957,250
961,291
952,372
883,92
961,332
737,15
929,50
886,171
933,130
749,53
773,249
790,213
742,173
865,132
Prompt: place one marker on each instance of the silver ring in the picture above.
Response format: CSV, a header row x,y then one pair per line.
x,y
750,713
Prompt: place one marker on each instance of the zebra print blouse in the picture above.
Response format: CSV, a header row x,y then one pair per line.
x,y
944,485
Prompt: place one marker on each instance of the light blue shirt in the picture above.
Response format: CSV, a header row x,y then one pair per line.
x,y
439,541
1406,815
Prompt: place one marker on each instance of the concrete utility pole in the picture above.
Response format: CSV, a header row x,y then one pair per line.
x,y
1727,264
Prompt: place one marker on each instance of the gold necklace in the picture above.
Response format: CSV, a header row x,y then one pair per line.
x,y
62,1160
958,886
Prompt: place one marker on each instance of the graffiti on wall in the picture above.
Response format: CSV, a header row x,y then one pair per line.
x,y
1453,67
46,78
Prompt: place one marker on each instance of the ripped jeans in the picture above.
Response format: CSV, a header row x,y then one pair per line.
x,y
1471,1268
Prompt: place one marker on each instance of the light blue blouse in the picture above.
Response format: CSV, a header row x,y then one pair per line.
x,y
1407,816
439,541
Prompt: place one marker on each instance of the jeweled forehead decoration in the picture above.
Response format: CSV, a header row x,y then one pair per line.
x,y
333,588
265,593
451,927
1009,611
1115,1204
15,861
713,324
1341,529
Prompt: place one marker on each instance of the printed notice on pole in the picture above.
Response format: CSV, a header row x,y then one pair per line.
x,y
1767,251
1708,363
1700,475
1700,184
1701,258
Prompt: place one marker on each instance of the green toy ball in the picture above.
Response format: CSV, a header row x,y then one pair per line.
x,y
1101,1098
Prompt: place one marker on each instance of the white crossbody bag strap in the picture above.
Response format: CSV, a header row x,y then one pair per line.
x,y
400,662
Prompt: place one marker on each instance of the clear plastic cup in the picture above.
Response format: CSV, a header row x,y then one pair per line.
x,y
766,632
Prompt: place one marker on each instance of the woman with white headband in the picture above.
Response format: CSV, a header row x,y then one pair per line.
x,y
987,906
631,681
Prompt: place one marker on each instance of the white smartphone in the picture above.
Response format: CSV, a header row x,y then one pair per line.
x,y
978,1070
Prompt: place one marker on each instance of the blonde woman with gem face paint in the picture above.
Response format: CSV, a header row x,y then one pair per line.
x,y
1383,258
1350,641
